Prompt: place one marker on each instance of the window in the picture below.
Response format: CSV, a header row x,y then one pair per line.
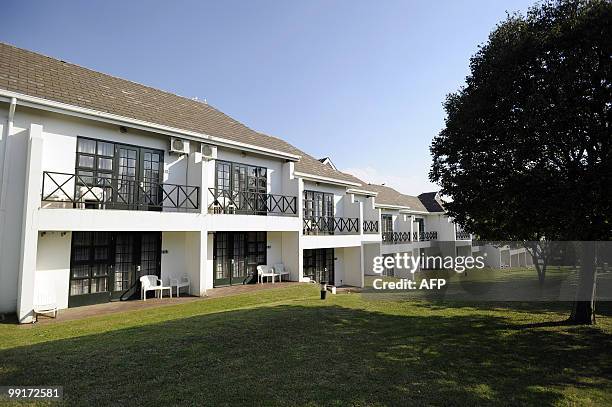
x,y
90,262
421,223
319,265
387,223
319,212
245,185
318,204
94,160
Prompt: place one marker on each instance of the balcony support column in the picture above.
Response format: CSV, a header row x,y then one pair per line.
x,y
29,231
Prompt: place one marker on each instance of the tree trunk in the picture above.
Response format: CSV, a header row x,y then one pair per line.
x,y
583,312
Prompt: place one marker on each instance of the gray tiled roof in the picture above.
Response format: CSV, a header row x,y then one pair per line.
x,y
432,201
33,74
389,196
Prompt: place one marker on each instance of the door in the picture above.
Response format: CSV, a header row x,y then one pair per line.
x,y
319,212
150,177
387,228
126,175
222,259
106,266
125,265
319,265
90,267
237,255
137,254
242,186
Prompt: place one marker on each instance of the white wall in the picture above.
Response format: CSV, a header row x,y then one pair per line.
x,y
370,212
181,254
209,269
53,265
369,252
14,156
274,250
353,271
292,255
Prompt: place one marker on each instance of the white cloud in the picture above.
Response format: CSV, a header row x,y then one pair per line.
x,y
407,184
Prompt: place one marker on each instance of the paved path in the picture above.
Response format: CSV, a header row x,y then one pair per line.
x,y
71,314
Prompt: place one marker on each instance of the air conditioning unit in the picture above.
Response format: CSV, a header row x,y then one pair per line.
x,y
208,152
179,146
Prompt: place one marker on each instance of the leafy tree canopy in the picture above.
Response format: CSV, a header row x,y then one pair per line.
x,y
526,148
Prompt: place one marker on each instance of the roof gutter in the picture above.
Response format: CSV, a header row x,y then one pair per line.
x,y
386,206
409,211
327,180
361,192
64,108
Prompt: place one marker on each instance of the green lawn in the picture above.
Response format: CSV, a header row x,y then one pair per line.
x,y
287,347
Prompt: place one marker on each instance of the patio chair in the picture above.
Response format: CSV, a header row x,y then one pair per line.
x,y
183,281
95,196
279,270
265,271
223,205
152,283
45,301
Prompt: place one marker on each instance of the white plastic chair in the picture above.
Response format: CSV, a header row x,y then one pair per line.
x,y
279,270
183,281
45,301
152,283
92,195
265,271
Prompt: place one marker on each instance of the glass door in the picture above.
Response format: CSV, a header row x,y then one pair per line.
x,y
137,254
126,174
151,173
221,259
90,267
319,265
237,255
239,269
319,211
247,185
124,277
106,266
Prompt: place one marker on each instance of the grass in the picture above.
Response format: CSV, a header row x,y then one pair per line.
x,y
287,347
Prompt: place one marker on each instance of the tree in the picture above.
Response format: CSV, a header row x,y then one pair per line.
x,y
525,153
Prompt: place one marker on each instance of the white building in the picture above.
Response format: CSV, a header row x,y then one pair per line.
x,y
103,180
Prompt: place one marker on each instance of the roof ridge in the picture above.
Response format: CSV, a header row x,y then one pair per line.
x,y
35,74
167,92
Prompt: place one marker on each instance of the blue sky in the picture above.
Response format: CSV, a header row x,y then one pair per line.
x,y
362,82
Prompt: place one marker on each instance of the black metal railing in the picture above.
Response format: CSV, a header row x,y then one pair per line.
x,y
370,226
462,235
395,237
89,192
427,236
329,225
250,203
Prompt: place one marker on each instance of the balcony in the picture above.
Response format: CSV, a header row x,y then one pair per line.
x,y
370,226
395,237
330,225
224,201
63,190
425,236
461,235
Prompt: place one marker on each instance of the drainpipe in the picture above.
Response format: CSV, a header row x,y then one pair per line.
x,y
3,177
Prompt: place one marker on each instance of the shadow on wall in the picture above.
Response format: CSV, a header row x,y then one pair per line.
x,y
290,355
